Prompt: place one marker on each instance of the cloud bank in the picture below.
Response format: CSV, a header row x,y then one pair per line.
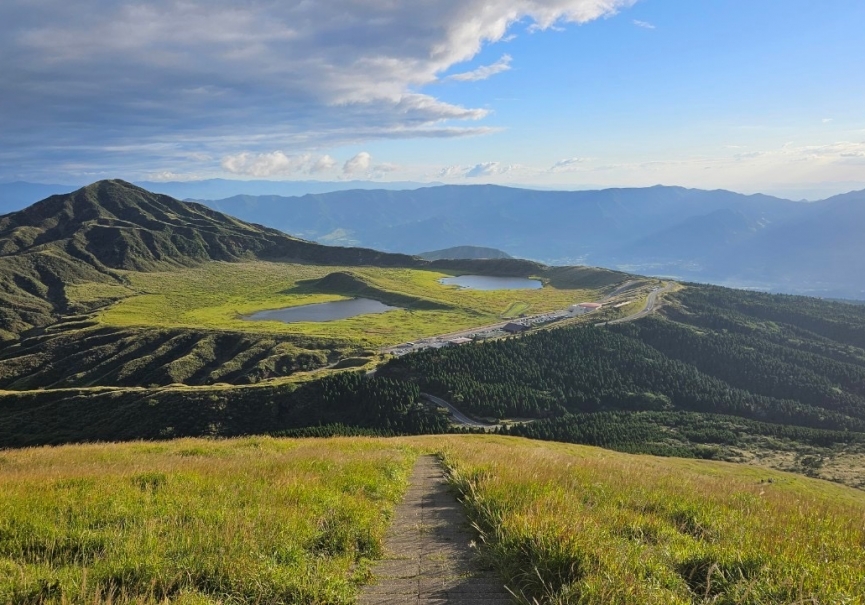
x,y
164,81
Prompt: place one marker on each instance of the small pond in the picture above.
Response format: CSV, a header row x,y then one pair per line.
x,y
329,311
487,282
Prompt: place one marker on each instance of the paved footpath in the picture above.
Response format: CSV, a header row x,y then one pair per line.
x,y
428,560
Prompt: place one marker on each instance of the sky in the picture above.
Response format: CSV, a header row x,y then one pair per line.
x,y
748,95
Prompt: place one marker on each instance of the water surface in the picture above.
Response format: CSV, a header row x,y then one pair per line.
x,y
487,282
329,311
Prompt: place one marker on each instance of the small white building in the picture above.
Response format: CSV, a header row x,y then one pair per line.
x,y
582,308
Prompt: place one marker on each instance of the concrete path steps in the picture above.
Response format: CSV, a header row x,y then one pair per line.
x,y
428,558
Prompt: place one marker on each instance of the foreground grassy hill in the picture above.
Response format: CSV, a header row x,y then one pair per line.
x,y
259,520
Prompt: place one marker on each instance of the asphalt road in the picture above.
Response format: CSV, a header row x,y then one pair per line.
x,y
458,416
651,302
625,286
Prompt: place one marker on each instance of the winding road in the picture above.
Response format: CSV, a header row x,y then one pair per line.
x,y
651,303
648,308
458,416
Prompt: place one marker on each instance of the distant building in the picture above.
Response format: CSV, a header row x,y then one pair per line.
x,y
459,341
586,307
515,328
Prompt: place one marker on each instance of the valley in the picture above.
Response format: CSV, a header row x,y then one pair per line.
x,y
680,430
546,302
127,323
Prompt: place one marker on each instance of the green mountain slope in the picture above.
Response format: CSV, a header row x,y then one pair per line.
x,y
719,373
93,234
67,262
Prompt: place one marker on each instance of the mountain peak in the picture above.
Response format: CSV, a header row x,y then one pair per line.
x,y
111,225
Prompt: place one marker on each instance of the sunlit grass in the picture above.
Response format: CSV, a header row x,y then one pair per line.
x,y
261,520
571,524
220,295
241,521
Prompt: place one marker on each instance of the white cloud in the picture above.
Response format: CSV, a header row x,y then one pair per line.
x,y
323,164
166,175
643,24
485,169
826,120
449,172
217,76
385,167
568,165
359,163
489,169
275,163
483,72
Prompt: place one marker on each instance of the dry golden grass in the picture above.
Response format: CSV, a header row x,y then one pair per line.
x,y
572,524
262,520
241,521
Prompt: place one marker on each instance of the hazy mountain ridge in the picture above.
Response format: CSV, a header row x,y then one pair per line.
x,y
464,252
20,194
717,236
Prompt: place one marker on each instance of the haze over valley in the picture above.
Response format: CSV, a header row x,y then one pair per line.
x,y
754,241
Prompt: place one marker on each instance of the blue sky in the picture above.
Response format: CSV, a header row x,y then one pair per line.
x,y
750,95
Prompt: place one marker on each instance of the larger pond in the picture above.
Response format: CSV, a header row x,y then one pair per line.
x,y
329,311
487,282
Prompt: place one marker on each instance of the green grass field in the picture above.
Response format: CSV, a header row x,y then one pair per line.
x,y
218,296
296,521
574,524
194,521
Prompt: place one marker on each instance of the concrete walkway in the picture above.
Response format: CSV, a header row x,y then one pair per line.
x,y
428,560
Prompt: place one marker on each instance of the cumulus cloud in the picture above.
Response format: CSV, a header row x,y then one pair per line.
x,y
359,163
483,72
216,76
323,164
484,169
275,163
449,172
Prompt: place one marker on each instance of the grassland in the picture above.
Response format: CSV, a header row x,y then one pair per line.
x,y
219,295
193,521
571,524
294,521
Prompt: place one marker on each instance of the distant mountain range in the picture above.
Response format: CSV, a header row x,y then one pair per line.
x,y
755,241
17,195
464,252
